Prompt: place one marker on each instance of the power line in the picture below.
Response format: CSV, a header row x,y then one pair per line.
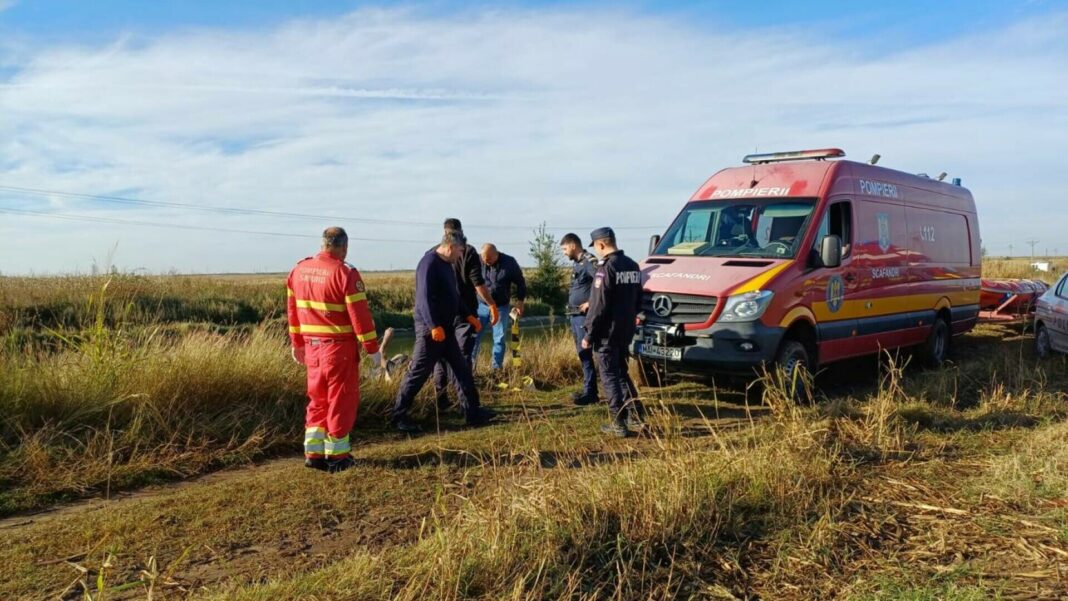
x,y
92,219
268,213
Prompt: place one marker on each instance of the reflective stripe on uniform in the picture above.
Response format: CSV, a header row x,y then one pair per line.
x,y
355,298
294,329
372,335
337,446
310,304
289,292
314,441
315,329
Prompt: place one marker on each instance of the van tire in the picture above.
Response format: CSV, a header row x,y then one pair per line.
x,y
793,358
1043,345
933,352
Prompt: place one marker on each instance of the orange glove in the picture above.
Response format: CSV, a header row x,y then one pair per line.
x,y
475,323
438,334
495,315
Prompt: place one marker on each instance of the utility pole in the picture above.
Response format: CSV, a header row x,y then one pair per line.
x,y
1032,243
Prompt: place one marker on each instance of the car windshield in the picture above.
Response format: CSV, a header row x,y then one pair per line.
x,y
770,228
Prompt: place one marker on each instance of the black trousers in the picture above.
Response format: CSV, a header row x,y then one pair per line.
x,y
443,374
425,355
619,388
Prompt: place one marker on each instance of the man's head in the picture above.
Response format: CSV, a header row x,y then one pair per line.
x,y
336,242
454,224
490,254
571,246
603,241
451,247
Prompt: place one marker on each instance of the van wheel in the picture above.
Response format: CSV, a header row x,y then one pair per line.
x,y
933,352
650,375
796,367
1043,346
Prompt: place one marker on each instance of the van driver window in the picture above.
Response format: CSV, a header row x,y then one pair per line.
x,y
838,220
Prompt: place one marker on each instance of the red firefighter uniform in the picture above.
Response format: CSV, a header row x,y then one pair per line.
x,y
328,314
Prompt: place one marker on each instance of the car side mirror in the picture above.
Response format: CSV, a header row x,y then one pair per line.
x,y
831,251
654,241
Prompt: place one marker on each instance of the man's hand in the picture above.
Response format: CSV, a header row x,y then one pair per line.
x,y
585,343
298,354
475,323
519,308
438,334
584,307
495,314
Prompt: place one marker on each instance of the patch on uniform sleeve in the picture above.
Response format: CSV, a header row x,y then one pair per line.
x,y
597,279
360,287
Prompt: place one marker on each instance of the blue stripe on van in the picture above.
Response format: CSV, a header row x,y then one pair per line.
x,y
964,313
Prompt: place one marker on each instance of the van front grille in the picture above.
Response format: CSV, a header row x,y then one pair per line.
x,y
684,308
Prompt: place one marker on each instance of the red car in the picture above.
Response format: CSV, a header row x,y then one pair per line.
x,y
803,260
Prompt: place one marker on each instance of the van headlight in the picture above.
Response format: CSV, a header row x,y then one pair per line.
x,y
748,306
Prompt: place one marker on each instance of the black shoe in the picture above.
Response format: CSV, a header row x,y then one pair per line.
x,y
480,416
617,429
583,399
339,465
635,421
316,463
406,425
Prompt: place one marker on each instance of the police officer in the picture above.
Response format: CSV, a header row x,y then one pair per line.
x,y
583,269
615,299
471,286
437,306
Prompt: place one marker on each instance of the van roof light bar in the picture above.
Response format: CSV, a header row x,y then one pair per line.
x,y
795,155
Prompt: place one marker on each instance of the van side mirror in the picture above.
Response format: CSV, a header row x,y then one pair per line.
x,y
654,241
831,251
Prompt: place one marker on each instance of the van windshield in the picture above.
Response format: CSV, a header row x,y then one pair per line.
x,y
770,228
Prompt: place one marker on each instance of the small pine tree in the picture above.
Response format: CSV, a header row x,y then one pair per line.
x,y
547,281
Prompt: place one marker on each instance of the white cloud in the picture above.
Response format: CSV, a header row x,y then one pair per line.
x,y
501,118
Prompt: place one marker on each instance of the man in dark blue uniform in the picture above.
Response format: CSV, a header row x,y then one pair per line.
x,y
437,306
471,286
615,299
583,269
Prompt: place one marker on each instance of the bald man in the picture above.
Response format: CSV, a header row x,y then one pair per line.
x,y
501,272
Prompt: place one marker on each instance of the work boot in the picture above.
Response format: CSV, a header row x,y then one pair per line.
x,y
617,427
315,463
582,400
406,425
480,416
339,465
636,415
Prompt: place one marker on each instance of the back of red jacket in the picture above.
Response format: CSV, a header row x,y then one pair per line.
x,y
326,298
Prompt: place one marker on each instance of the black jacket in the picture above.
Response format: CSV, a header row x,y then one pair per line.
x,y
468,277
615,299
582,271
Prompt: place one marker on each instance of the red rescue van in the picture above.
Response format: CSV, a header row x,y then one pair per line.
x,y
802,260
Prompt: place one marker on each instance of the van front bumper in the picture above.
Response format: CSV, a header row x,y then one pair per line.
x,y
726,347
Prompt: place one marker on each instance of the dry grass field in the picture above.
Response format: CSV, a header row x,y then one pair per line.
x,y
150,435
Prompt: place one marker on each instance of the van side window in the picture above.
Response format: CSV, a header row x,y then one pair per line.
x,y
838,220
841,224
1062,288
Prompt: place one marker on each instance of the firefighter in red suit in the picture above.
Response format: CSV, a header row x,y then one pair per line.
x,y
328,320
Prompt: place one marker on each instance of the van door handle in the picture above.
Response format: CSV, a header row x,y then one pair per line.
x,y
850,277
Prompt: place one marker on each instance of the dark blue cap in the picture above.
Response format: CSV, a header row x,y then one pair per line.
x,y
600,234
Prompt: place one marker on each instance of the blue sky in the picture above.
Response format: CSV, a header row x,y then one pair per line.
x,y
392,117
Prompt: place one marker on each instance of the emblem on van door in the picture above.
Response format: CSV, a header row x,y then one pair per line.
x,y
884,231
662,305
835,293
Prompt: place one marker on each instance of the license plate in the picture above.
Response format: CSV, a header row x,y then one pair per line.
x,y
671,353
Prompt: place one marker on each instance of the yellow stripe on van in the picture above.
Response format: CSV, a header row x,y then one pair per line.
x,y
878,307
761,280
